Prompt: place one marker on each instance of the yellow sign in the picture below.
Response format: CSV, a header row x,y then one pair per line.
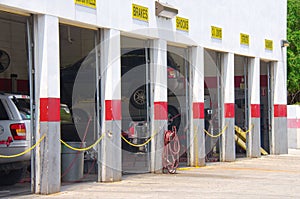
x,y
87,3
244,39
216,32
140,12
268,44
182,24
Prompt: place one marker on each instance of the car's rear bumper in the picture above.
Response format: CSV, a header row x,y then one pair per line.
x,y
14,165
14,151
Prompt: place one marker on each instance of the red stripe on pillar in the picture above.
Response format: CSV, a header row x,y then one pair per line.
x,y
198,110
160,110
293,123
113,110
49,109
280,110
255,110
229,110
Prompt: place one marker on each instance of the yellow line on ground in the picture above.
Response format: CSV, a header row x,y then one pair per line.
x,y
187,168
254,169
214,167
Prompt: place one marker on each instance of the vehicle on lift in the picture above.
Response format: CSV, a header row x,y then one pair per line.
x,y
14,137
133,89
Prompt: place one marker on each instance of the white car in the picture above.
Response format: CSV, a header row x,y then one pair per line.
x,y
14,137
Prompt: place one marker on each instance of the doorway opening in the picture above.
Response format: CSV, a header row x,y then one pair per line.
x,y
213,104
265,104
179,97
16,90
80,114
135,92
241,102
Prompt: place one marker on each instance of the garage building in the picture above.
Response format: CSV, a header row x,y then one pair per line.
x,y
137,68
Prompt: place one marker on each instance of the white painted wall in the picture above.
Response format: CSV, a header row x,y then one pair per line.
x,y
260,19
13,41
293,115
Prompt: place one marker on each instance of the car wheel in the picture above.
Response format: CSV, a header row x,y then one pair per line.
x,y
12,177
139,99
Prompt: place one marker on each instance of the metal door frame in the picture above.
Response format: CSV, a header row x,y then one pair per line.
x,y
270,103
220,94
188,100
99,100
246,92
29,38
149,98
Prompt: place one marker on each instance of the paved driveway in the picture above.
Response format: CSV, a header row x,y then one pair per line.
x,y
266,177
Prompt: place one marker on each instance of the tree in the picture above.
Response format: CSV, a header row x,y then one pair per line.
x,y
293,51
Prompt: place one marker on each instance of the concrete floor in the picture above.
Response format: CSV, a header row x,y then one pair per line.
x,y
266,177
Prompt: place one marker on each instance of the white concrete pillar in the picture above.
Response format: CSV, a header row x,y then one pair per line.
x,y
158,78
227,140
279,141
47,97
293,115
197,137
110,156
253,137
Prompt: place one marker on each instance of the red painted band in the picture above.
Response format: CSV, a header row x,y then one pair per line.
x,y
22,85
50,109
160,110
280,110
255,110
293,123
113,110
263,81
198,110
229,110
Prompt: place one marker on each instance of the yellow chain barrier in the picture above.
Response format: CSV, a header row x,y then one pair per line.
x,y
218,135
139,145
82,149
26,151
239,130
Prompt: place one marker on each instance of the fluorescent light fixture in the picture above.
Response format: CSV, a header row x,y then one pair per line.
x,y
285,43
165,10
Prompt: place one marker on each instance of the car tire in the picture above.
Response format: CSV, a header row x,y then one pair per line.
x,y
12,177
139,99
